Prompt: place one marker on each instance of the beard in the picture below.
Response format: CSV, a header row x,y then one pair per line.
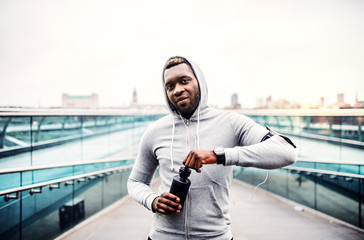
x,y
188,112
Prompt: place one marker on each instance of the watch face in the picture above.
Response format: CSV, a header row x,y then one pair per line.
x,y
220,153
219,150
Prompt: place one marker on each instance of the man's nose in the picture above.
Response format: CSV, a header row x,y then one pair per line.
x,y
178,89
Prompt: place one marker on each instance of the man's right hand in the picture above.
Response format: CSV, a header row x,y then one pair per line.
x,y
166,203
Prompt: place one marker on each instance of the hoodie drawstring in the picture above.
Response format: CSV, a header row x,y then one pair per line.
x,y
172,140
198,128
187,137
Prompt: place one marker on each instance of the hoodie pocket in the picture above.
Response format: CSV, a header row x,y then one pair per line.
x,y
205,214
167,224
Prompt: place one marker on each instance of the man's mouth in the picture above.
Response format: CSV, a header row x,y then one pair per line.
x,y
181,100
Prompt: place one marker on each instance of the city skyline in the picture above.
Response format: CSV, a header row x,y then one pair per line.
x,y
299,51
92,101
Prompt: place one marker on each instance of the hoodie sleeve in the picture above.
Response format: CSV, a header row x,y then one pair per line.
x,y
272,153
142,174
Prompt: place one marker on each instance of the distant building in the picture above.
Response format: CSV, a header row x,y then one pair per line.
x,y
340,103
340,99
235,102
134,101
76,101
358,104
260,103
269,103
322,102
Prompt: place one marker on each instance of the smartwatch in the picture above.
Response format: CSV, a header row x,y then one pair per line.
x,y
220,154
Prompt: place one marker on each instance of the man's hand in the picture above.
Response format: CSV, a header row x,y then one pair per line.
x,y
166,203
196,158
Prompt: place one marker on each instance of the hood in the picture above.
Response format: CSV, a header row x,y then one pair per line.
x,y
199,111
203,92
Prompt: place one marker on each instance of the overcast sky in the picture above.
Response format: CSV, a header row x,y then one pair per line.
x,y
297,50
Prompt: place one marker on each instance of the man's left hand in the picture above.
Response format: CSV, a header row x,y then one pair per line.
x,y
196,158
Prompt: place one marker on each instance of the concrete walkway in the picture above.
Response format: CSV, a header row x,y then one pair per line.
x,y
256,215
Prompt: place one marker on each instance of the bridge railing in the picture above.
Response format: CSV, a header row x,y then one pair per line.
x,y
328,175
330,164
344,126
59,167
338,194
85,135
59,196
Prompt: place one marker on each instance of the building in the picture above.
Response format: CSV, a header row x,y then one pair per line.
x,y
340,102
358,103
235,102
134,101
77,101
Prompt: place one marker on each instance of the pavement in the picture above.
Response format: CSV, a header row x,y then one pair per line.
x,y
256,215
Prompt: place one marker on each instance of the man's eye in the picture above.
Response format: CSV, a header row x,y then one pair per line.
x,y
184,81
169,87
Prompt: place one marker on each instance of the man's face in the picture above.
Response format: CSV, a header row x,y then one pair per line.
x,y
182,89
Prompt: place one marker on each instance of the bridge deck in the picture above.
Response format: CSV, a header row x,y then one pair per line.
x,y
255,216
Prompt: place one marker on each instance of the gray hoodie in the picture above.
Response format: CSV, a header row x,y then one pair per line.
x,y
167,142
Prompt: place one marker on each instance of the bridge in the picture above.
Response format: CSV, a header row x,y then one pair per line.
x,y
61,172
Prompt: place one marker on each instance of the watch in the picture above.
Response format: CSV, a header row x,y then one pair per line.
x,y
220,154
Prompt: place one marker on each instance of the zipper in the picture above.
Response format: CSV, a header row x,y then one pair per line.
x,y
187,204
187,124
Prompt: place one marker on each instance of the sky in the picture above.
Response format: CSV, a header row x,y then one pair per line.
x,y
295,50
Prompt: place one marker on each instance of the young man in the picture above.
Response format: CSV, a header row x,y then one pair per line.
x,y
207,140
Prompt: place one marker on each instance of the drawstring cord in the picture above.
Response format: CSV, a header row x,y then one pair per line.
x,y
171,149
187,135
198,128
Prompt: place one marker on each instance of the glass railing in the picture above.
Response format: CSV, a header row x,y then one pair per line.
x,y
334,125
329,173
51,138
58,168
68,157
328,139
53,199
340,195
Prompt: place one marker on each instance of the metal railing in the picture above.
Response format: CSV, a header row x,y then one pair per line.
x,y
333,176
56,184
25,131
343,126
73,164
338,194
66,196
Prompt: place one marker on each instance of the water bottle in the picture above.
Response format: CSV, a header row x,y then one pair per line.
x,y
181,184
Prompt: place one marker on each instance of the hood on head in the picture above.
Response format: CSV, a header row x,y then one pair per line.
x,y
201,83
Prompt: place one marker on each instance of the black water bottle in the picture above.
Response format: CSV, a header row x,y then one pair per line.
x,y
181,184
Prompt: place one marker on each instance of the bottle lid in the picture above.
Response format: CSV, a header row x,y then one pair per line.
x,y
184,172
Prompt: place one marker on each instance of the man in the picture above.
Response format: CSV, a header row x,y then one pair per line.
x,y
207,140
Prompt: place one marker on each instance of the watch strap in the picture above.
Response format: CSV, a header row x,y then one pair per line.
x,y
220,154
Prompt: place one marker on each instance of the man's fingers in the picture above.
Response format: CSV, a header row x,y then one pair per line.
x,y
198,163
170,196
193,160
167,203
189,159
166,209
197,158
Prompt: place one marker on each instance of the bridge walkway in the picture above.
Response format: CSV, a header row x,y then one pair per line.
x,y
256,215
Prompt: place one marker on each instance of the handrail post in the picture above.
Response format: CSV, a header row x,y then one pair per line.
x,y
34,190
55,186
9,196
72,182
